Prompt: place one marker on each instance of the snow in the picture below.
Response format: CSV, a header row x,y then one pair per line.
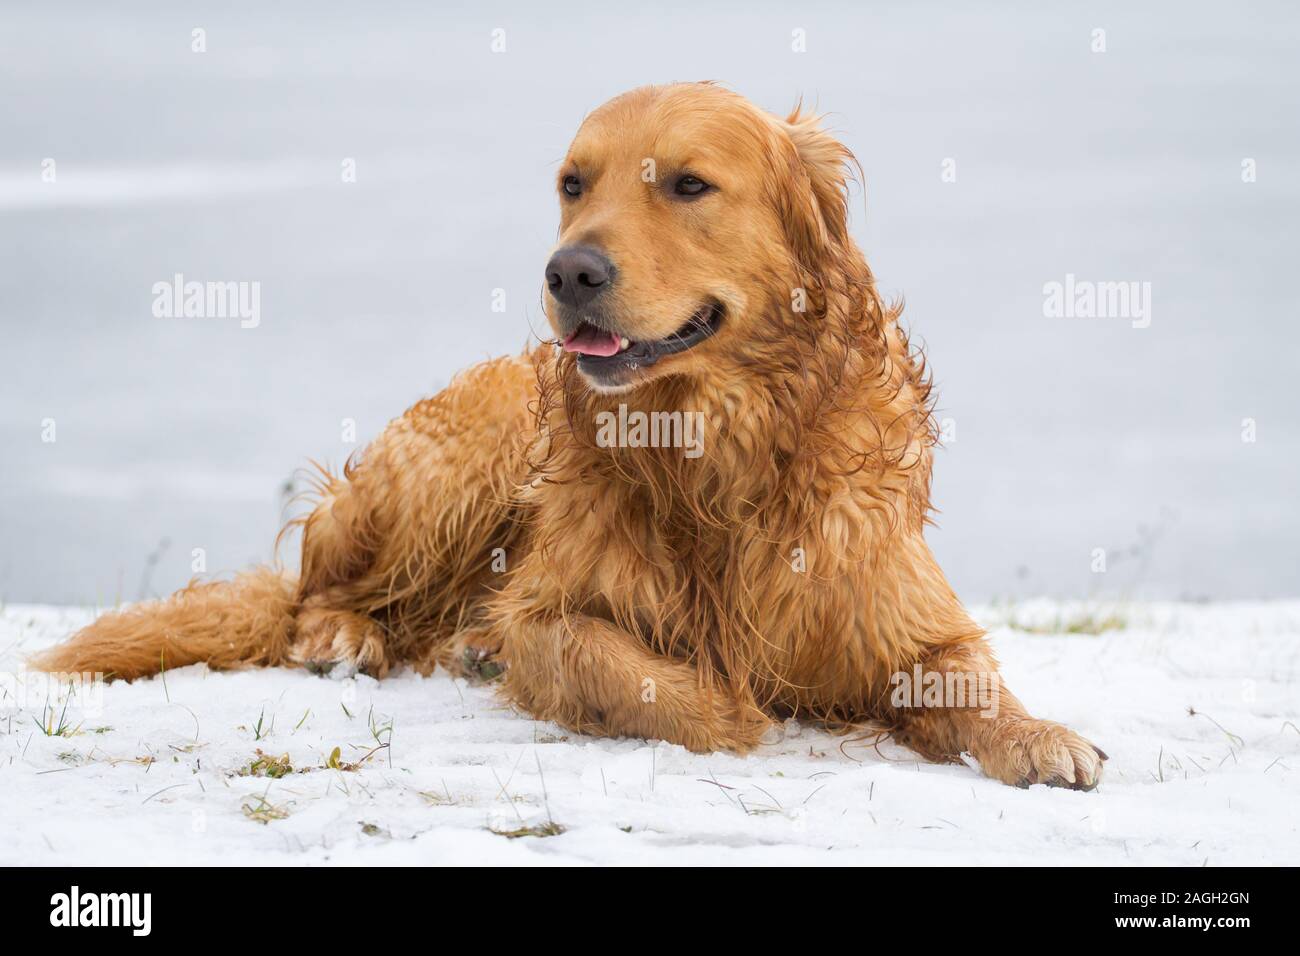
x,y
149,773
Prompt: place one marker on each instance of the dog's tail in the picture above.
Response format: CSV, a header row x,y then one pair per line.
x,y
246,621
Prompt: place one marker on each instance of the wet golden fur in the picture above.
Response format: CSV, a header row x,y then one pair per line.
x,y
783,572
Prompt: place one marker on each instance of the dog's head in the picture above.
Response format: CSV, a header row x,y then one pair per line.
x,y
689,217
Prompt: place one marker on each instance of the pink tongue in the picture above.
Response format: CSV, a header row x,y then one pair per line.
x,y
589,340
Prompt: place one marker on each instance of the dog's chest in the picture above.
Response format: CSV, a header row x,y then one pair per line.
x,y
673,573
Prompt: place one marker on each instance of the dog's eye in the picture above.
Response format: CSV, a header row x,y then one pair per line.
x,y
572,186
691,186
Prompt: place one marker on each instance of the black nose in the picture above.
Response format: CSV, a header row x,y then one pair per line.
x,y
577,274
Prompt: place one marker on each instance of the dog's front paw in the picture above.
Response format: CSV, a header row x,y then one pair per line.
x,y
1024,751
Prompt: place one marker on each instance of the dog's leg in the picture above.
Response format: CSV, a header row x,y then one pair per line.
x,y
975,713
402,548
593,677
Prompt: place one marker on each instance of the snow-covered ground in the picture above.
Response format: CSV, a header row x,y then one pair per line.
x,y
1198,707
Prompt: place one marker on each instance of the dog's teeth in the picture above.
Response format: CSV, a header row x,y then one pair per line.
x,y
623,343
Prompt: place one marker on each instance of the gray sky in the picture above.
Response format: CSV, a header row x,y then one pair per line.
x,y
1071,433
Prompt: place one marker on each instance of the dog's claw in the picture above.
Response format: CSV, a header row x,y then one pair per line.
x,y
478,666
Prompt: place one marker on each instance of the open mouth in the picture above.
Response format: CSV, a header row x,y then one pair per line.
x,y
603,354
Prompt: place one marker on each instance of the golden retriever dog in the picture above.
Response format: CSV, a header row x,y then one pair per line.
x,y
754,552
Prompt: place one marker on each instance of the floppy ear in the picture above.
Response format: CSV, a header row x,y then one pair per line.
x,y
817,217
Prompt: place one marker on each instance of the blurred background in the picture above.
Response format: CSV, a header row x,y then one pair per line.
x,y
1066,435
